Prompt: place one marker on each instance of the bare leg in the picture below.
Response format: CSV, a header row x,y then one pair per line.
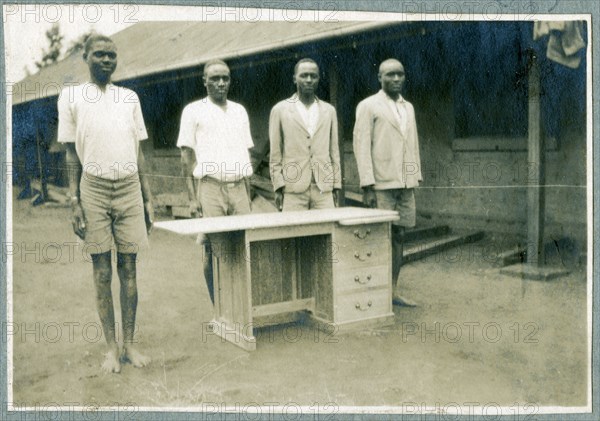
x,y
208,270
104,303
126,269
397,252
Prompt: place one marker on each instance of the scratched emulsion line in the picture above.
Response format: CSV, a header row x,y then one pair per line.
x,y
514,186
522,186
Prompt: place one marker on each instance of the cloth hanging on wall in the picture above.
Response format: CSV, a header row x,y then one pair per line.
x,y
564,40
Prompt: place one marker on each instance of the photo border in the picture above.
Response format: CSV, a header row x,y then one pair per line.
x,y
551,7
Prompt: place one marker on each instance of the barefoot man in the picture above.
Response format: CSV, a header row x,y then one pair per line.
x,y
101,125
386,148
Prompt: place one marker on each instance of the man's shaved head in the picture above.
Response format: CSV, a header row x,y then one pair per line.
x,y
211,63
391,76
387,63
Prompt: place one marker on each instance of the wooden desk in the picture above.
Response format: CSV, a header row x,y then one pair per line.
x,y
334,263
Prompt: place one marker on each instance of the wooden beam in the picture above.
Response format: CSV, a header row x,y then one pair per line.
x,y
334,90
426,248
41,158
535,169
283,307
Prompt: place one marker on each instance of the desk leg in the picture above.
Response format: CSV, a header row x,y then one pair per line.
x,y
233,297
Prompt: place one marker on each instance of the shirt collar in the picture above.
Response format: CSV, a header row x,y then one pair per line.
x,y
209,101
295,98
400,97
109,85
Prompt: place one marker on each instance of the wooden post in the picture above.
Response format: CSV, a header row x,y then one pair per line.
x,y
41,156
535,169
535,267
334,83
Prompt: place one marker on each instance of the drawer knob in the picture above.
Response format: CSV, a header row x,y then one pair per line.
x,y
357,255
359,307
357,233
357,279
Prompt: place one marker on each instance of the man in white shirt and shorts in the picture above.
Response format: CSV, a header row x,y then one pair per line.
x,y
214,137
101,125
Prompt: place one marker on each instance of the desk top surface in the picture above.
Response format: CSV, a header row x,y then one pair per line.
x,y
253,221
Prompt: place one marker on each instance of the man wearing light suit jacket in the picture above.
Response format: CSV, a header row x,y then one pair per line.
x,y
386,147
305,159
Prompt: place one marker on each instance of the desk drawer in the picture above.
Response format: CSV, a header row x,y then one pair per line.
x,y
357,234
361,255
363,305
362,278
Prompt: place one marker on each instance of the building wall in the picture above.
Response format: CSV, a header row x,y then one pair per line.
x,y
487,190
476,189
455,73
257,87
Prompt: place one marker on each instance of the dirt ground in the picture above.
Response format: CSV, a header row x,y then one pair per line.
x,y
478,338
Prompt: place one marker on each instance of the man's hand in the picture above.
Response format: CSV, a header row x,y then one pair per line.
x,y
336,197
369,197
195,209
279,199
149,216
78,221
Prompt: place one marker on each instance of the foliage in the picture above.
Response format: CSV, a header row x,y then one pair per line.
x,y
77,45
52,54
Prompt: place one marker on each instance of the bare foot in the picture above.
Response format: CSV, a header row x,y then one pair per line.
x,y
111,362
135,357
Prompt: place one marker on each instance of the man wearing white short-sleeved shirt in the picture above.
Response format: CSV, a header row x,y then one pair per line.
x,y
101,125
214,137
106,126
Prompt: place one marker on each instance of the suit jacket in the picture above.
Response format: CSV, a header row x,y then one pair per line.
x,y
385,155
296,156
